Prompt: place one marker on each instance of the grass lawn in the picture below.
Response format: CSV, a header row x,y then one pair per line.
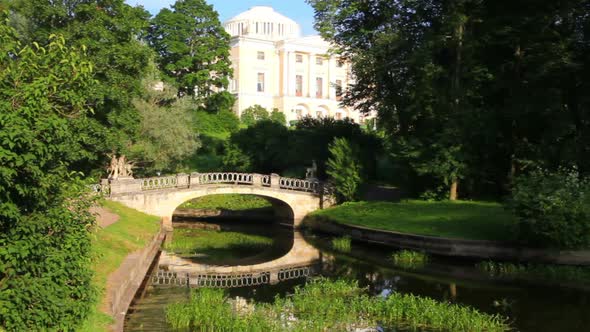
x,y
233,202
111,245
459,219
216,246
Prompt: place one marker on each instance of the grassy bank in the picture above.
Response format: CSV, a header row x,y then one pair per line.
x,y
233,202
216,246
111,245
325,305
461,219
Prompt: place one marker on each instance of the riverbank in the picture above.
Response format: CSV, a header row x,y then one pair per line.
x,y
112,244
457,229
467,220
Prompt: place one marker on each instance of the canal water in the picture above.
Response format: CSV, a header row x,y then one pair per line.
x,y
292,258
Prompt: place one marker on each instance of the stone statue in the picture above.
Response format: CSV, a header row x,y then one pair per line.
x,y
119,167
311,172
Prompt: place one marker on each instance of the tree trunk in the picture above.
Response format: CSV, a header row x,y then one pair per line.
x,y
453,194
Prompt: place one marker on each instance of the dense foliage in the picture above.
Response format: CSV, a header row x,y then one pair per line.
x,y
110,30
44,220
167,136
470,93
344,169
268,146
553,208
193,49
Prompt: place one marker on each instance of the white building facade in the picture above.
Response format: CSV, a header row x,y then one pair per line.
x,y
278,69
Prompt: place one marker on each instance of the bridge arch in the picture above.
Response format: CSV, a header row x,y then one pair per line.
x,y
161,196
283,211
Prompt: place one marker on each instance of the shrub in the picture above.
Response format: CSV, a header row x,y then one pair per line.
x,y
344,169
553,208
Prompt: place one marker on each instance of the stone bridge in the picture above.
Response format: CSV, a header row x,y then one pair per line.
x,y
301,261
292,198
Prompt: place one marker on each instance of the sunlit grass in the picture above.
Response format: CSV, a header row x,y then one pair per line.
x,y
324,305
461,219
110,247
232,202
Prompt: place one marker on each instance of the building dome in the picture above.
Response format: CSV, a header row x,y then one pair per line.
x,y
262,22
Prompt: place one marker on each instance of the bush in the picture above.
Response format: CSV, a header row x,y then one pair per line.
x,y
253,114
553,209
344,169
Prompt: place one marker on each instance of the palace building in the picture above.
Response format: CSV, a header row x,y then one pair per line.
x,y
275,67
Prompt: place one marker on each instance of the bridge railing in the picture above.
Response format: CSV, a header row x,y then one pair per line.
x,y
275,181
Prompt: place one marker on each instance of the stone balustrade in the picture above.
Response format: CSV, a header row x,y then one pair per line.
x,y
180,181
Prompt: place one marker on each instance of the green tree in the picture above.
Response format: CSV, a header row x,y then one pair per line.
x,y
344,169
192,48
452,81
167,136
45,275
278,117
253,114
111,31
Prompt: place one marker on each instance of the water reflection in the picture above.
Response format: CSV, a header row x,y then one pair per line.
x,y
529,307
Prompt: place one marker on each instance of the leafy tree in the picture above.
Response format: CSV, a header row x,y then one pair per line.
x,y
45,276
265,144
312,137
167,136
278,117
111,31
553,208
344,169
192,48
253,114
452,81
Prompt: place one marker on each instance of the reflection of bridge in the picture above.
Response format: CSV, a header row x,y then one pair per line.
x,y
292,198
299,262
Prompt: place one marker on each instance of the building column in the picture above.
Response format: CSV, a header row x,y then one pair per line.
x,y
311,76
286,73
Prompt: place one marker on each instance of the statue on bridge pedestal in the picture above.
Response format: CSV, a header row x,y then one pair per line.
x,y
311,172
120,168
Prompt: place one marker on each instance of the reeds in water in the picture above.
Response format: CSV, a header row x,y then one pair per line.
x,y
342,244
410,259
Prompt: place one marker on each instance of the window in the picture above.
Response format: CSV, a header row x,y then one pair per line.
x,y
319,84
319,60
338,89
299,58
298,85
260,55
338,116
260,83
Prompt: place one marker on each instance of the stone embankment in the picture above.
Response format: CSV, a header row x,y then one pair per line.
x,y
479,249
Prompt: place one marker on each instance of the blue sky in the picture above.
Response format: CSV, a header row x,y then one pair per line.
x,y
298,10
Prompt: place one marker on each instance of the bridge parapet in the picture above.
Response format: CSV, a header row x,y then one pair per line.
x,y
182,181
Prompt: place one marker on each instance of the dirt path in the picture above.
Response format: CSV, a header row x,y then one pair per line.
x,y
104,217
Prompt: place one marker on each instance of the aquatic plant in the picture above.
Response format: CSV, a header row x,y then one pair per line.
x,y
556,273
326,305
342,243
410,259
